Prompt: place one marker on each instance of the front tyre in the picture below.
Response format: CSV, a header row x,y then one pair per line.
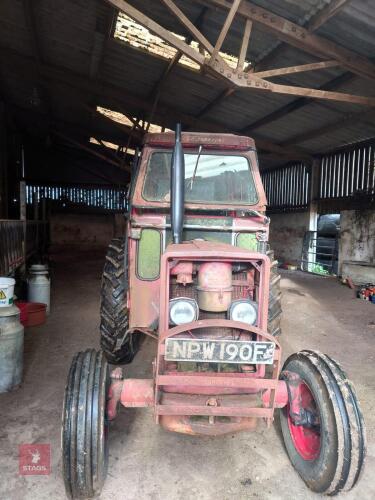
x,y
329,451
84,433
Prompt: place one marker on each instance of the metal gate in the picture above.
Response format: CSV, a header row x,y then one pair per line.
x,y
319,253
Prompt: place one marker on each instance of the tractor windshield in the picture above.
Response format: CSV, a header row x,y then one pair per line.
x,y
209,179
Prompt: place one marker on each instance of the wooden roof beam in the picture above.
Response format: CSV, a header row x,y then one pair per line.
x,y
220,68
296,104
244,44
301,37
167,116
86,148
226,26
158,30
189,26
296,69
156,91
251,81
325,14
311,25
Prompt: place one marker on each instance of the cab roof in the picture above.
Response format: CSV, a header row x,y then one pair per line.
x,y
195,139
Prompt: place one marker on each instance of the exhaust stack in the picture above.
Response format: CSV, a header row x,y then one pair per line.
x,y
177,187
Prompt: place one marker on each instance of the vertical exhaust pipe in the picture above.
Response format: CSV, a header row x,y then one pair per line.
x,y
177,187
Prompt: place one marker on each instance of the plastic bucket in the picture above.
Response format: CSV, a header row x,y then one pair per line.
x,y
32,313
6,291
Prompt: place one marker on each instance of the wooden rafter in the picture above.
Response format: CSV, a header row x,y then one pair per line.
x,y
158,30
107,150
296,69
156,91
250,80
321,17
311,25
226,26
189,26
86,148
325,14
107,92
301,38
296,104
219,67
125,129
244,44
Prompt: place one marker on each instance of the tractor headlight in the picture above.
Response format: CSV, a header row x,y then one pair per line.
x,y
183,310
244,310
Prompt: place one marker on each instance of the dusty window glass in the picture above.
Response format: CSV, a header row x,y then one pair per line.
x,y
215,179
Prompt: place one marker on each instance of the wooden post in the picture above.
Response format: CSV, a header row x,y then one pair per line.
x,y
313,209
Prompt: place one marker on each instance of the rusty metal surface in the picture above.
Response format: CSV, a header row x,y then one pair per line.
x,y
144,294
196,384
185,425
137,393
194,139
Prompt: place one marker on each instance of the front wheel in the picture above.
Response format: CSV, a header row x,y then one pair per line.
x,y
85,425
325,440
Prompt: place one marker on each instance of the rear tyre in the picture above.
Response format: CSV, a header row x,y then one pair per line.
x,y
118,344
85,426
274,304
328,454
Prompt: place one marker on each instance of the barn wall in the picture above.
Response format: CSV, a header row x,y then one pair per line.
x,y
286,235
357,245
77,229
3,165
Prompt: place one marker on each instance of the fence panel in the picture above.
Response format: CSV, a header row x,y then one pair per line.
x,y
287,188
12,242
105,198
348,173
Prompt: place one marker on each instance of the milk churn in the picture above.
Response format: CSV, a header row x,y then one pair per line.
x,y
11,348
39,285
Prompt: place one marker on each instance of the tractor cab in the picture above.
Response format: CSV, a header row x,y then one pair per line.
x,y
213,193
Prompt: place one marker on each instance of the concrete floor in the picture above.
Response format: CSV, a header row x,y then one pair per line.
x,y
147,462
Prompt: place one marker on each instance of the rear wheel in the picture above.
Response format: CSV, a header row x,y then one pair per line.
x,y
85,426
274,304
118,344
328,447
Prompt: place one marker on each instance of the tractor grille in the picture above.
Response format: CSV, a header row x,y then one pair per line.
x,y
190,291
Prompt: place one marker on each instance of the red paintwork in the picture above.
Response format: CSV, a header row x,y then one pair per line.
x,y
307,441
243,397
214,384
194,139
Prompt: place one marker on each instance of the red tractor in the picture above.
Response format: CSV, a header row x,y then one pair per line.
x,y
194,272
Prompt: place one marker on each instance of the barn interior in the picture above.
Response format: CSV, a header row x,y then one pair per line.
x,y
81,85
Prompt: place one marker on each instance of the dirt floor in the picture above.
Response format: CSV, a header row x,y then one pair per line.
x,y
147,462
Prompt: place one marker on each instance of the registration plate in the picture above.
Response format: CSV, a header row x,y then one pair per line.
x,y
219,351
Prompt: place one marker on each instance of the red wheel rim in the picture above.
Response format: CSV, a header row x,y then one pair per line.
x,y
306,440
